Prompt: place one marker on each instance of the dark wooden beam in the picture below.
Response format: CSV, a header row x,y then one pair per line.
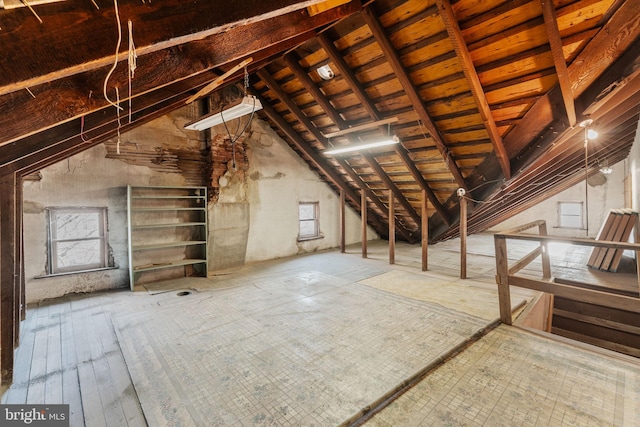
x,y
358,89
342,221
463,237
8,295
309,126
93,121
301,74
75,96
462,51
320,162
364,223
548,176
611,42
392,229
44,154
329,109
555,42
403,77
605,62
425,232
59,47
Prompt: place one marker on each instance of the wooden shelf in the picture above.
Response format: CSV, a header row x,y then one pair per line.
x,y
173,224
157,266
169,245
167,197
185,236
166,209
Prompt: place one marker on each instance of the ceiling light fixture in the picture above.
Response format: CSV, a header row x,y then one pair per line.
x,y
590,134
325,72
364,146
248,105
606,170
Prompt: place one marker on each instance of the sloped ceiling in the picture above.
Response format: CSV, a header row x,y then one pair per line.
x,y
485,96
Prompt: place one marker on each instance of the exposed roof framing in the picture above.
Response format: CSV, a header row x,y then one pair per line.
x,y
483,95
555,42
462,52
411,91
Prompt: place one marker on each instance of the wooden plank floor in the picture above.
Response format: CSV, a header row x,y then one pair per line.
x,y
70,353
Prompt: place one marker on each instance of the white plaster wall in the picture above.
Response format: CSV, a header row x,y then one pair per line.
x,y
86,179
277,180
601,199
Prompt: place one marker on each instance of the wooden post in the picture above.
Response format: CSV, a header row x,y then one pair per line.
x,y
342,222
18,279
502,278
425,230
549,324
392,229
7,277
636,234
363,214
463,237
546,264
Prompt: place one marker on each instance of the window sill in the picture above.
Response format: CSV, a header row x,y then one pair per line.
x,y
305,239
44,276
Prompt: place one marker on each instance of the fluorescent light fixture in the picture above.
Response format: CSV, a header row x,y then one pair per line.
x,y
365,146
247,105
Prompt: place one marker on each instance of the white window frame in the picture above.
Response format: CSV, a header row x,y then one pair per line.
x,y
315,220
561,216
53,242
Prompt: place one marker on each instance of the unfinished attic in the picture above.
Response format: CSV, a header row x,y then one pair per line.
x,y
338,212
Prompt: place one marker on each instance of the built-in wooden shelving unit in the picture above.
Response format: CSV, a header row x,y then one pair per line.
x,y
167,229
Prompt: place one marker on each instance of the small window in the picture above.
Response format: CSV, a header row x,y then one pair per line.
x,y
77,239
309,227
570,214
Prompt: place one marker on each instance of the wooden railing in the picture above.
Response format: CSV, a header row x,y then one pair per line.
x,y
506,275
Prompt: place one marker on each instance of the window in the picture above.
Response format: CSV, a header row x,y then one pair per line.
x,y
309,227
77,239
570,214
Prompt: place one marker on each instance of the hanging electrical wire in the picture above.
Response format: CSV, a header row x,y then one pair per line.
x,y
238,133
115,62
119,123
132,62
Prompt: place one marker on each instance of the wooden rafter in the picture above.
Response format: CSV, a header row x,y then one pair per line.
x,y
401,74
193,60
9,326
359,91
462,51
335,116
320,162
154,29
555,42
616,37
551,161
299,115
